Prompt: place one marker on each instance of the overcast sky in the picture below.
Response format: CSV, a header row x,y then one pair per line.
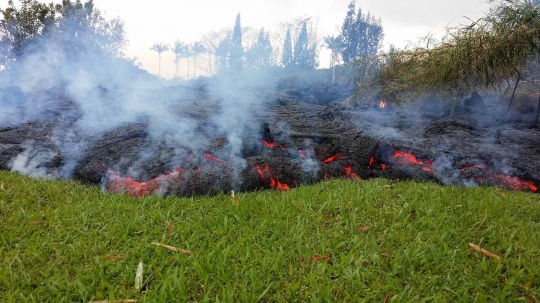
x,y
151,21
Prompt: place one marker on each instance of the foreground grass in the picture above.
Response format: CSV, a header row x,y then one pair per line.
x,y
57,240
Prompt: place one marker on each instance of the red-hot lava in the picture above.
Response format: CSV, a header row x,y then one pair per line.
x,y
349,173
371,162
265,174
269,144
332,159
405,158
117,184
502,180
212,159
304,154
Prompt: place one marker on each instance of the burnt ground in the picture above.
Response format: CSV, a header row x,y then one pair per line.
x,y
281,139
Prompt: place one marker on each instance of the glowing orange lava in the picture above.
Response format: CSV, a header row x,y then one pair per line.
x,y
502,180
117,184
349,173
212,159
383,166
265,173
407,158
515,182
371,162
268,144
332,159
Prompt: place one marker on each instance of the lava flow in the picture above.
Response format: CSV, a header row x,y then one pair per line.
x,y
405,158
332,159
350,174
265,173
117,184
269,144
212,159
502,180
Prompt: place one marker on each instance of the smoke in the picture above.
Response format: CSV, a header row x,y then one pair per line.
x,y
81,98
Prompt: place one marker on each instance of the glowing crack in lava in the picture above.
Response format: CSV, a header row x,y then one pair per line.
x,y
502,180
515,183
405,158
265,173
269,144
304,154
349,173
117,184
371,162
332,159
212,159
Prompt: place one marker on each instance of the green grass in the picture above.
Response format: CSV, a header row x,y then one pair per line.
x,y
55,238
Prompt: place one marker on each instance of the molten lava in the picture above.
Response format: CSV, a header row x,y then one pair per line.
x,y
407,158
515,183
332,159
371,162
502,180
117,184
212,159
304,154
269,144
349,173
383,166
265,174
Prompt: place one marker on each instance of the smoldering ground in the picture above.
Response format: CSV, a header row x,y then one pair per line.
x,y
100,119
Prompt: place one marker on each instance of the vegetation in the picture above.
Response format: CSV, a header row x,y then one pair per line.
x,y
335,241
483,55
160,48
73,27
362,34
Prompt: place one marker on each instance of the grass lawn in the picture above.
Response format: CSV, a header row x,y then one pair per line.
x,y
63,242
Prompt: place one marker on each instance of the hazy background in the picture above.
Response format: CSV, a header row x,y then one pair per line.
x,y
149,22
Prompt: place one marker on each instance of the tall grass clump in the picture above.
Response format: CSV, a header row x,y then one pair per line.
x,y
479,56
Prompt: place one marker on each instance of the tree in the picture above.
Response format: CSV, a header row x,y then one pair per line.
x,y
287,55
369,34
304,52
73,27
348,32
179,50
160,48
362,34
211,41
223,52
236,49
336,46
198,49
260,55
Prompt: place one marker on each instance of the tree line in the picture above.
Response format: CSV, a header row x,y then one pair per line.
x,y
72,27
361,35
75,27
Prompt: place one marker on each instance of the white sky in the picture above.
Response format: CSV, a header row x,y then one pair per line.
x,y
151,21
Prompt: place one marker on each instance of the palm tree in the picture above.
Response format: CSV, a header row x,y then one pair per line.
x,y
188,54
197,49
179,52
160,48
336,45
